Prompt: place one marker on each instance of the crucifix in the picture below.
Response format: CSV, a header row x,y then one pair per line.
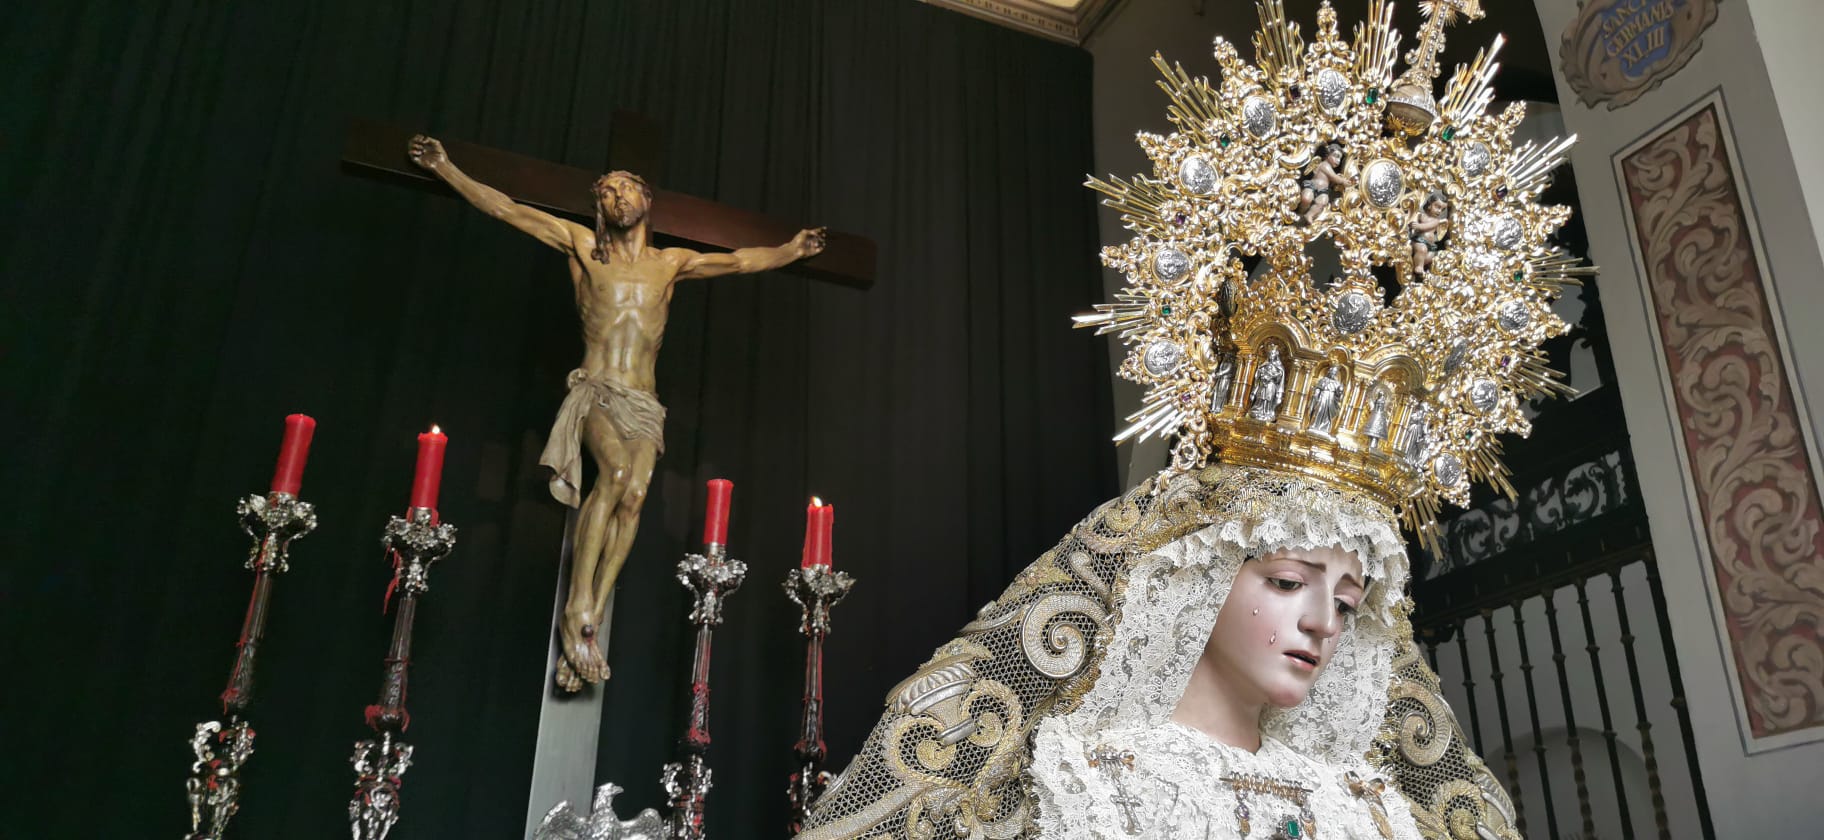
x,y
623,286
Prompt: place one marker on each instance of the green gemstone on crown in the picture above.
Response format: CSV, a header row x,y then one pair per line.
x,y
1373,94
1292,829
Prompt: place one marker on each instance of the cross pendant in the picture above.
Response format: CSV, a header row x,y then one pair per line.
x,y
1126,803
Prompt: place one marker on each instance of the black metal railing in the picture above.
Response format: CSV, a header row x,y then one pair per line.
x,y
1505,564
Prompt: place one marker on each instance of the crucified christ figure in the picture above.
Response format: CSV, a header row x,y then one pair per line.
x,y
623,291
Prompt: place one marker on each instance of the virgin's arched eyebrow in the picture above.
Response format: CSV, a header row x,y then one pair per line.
x,y
1348,577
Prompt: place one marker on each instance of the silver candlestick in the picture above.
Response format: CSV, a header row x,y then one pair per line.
x,y
214,786
711,577
414,543
815,589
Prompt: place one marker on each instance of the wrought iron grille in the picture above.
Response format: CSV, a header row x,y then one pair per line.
x,y
1518,586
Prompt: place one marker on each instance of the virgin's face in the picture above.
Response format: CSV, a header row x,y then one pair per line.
x,y
1281,622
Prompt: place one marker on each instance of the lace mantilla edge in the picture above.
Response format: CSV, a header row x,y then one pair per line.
x,y
948,759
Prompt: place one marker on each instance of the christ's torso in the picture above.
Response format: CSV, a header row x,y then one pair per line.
x,y
623,306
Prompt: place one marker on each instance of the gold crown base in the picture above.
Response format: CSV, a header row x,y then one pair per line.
x,y
1359,452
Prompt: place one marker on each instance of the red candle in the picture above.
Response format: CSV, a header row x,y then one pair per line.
x,y
817,520
828,543
715,518
429,476
288,476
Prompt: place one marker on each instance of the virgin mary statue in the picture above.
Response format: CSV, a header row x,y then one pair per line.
x,y
1098,695
1225,651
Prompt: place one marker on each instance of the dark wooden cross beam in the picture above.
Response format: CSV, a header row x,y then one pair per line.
x,y
378,150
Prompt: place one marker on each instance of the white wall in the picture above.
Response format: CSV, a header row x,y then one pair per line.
x,y
1788,35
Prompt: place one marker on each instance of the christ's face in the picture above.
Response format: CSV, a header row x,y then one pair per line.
x,y
623,200
1280,624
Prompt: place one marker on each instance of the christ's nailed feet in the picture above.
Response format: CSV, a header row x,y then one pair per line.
x,y
582,658
567,678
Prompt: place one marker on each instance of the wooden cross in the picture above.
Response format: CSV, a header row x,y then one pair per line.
x,y
378,150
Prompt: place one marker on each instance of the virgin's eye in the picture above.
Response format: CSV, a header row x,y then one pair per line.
x,y
1285,585
1344,608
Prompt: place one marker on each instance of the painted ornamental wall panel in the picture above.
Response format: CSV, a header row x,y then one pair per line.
x,y
1752,483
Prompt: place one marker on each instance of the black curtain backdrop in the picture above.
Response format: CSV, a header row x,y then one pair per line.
x,y
184,264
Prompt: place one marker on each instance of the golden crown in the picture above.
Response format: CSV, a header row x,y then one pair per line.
x,y
1401,400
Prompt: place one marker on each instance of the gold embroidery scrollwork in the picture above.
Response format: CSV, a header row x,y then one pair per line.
x,y
987,716
1051,638
1497,807
1422,741
1451,792
1460,806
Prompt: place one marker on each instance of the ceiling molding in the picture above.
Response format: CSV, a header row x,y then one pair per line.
x,y
1071,24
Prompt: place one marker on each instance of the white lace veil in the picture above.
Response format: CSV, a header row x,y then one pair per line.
x,y
1174,594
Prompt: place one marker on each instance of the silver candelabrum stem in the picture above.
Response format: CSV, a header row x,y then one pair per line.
x,y
379,764
815,589
711,577
273,521
687,785
221,749
414,543
214,786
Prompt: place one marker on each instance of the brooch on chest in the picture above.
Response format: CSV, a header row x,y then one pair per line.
x,y
1369,791
1301,825
1112,763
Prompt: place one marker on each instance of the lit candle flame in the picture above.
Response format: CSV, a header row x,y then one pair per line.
x,y
436,430
816,502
